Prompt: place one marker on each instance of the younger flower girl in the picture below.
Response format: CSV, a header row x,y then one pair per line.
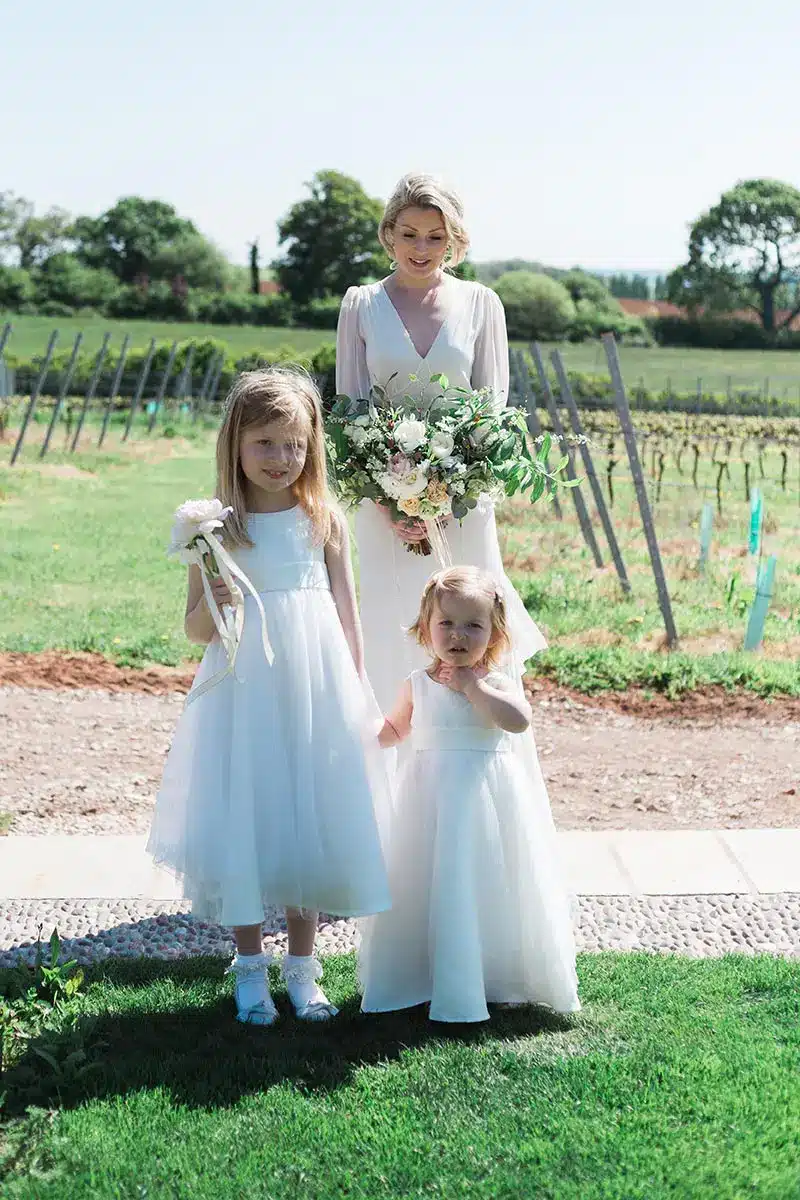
x,y
479,914
267,796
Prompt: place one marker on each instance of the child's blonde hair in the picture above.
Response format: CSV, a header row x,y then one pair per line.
x,y
257,398
469,582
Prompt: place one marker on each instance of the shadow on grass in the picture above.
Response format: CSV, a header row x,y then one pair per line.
x,y
206,1059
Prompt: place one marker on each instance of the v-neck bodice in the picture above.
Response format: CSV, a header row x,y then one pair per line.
x,y
407,332
374,346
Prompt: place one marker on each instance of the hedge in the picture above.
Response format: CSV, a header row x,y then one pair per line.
x,y
591,391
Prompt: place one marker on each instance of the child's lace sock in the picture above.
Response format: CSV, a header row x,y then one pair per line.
x,y
253,1000
308,999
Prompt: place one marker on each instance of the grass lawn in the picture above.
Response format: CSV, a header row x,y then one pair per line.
x,y
82,567
31,334
678,1079
653,366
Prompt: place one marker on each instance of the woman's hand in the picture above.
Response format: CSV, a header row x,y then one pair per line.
x,y
410,529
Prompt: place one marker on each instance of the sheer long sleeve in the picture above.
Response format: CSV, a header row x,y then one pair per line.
x,y
490,366
352,373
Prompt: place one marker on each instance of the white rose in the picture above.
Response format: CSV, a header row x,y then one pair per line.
x,y
357,434
441,445
405,486
410,435
448,463
194,518
363,420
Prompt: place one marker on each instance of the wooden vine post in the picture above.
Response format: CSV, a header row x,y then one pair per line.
x,y
624,414
519,369
591,474
558,428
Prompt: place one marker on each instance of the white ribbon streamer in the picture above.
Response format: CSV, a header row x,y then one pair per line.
x,y
439,543
229,624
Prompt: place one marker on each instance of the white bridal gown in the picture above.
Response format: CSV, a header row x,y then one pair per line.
x,y
479,913
471,349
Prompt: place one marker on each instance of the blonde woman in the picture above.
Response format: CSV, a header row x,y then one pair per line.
x,y
269,790
418,322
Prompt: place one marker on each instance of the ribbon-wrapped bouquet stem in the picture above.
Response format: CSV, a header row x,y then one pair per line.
x,y
196,539
433,459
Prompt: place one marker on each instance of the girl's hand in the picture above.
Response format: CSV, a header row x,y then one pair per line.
x,y
458,679
220,591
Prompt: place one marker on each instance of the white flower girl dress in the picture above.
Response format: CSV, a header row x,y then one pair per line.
x,y
273,787
479,912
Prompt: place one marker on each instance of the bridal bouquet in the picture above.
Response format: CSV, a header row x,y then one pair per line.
x,y
195,539
432,459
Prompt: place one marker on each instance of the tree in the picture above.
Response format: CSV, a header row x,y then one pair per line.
x,y
588,290
332,239
33,238
743,252
255,277
634,287
64,279
536,305
192,258
137,238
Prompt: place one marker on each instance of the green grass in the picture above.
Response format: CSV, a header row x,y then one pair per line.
x,y
679,1079
83,567
652,366
31,334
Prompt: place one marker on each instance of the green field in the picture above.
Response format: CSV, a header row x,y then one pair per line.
x,y
752,369
678,1079
30,334
82,565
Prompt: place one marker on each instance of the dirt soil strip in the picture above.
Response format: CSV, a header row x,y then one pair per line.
x,y
59,669
82,746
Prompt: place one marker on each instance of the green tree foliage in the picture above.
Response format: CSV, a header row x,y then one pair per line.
x,y
633,287
17,291
536,305
30,237
332,239
63,279
743,252
147,238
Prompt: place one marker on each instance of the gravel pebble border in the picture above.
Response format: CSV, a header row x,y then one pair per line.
x,y
696,926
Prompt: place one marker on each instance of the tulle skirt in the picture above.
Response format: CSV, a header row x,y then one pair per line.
x,y
274,787
391,585
480,913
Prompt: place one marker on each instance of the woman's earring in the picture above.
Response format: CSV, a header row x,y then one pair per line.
x,y
392,265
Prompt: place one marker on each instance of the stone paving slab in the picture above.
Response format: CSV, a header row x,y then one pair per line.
x,y
607,863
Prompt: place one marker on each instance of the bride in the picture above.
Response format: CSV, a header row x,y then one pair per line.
x,y
418,322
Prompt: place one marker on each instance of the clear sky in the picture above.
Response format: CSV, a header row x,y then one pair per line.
x,y
576,132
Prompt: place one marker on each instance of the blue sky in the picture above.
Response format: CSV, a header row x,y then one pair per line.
x,y
576,133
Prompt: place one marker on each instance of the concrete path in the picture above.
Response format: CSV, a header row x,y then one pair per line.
x,y
610,863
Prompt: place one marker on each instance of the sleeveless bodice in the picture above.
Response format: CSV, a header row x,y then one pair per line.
x,y
283,556
446,720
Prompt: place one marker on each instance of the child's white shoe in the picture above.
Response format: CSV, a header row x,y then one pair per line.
x,y
308,999
254,1004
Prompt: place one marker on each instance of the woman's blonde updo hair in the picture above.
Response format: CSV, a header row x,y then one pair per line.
x,y
425,191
